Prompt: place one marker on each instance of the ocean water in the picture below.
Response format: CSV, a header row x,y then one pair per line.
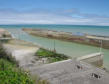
x,y
68,48
95,30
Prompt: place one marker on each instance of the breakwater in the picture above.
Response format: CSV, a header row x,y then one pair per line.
x,y
81,38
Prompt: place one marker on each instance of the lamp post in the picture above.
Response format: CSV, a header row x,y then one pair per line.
x,y
54,46
101,44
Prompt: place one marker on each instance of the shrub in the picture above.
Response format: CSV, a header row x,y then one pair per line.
x,y
52,56
7,57
10,74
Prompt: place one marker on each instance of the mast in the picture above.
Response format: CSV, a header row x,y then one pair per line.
x,y
101,44
54,46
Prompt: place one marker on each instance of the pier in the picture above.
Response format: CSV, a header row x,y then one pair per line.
x,y
80,38
70,71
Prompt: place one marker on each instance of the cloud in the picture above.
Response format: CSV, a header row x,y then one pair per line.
x,y
42,16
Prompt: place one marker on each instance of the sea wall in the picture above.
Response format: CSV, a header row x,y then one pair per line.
x,y
4,33
5,36
95,59
68,36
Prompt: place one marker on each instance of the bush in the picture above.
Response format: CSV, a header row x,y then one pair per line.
x,y
7,57
10,74
52,56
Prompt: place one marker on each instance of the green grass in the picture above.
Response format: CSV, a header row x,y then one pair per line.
x,y
8,57
50,55
10,73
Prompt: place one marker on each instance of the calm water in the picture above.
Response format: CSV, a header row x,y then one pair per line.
x,y
96,30
68,48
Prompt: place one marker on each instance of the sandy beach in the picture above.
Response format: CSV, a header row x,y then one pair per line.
x,y
24,54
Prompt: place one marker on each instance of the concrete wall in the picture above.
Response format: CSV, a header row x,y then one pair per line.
x,y
95,59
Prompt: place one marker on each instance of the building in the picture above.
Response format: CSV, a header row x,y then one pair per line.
x,y
71,72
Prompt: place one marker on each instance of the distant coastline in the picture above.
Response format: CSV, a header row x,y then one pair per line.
x,y
90,29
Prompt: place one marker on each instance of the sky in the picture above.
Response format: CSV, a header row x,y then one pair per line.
x,y
73,12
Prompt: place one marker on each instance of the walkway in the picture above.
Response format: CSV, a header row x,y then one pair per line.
x,y
67,72
63,72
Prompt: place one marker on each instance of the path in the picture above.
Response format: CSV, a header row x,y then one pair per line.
x,y
24,54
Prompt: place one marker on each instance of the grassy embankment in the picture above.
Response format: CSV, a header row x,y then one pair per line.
x,y
11,74
9,71
51,56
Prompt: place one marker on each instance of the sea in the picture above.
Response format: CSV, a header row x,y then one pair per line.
x,y
68,48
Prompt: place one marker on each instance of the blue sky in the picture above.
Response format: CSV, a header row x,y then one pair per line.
x,y
77,12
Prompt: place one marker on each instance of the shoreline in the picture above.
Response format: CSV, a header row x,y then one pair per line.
x,y
24,52
80,38
20,44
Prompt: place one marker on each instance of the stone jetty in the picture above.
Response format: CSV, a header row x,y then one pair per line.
x,y
81,38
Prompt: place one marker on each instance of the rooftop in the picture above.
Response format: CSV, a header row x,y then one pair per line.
x,y
71,72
